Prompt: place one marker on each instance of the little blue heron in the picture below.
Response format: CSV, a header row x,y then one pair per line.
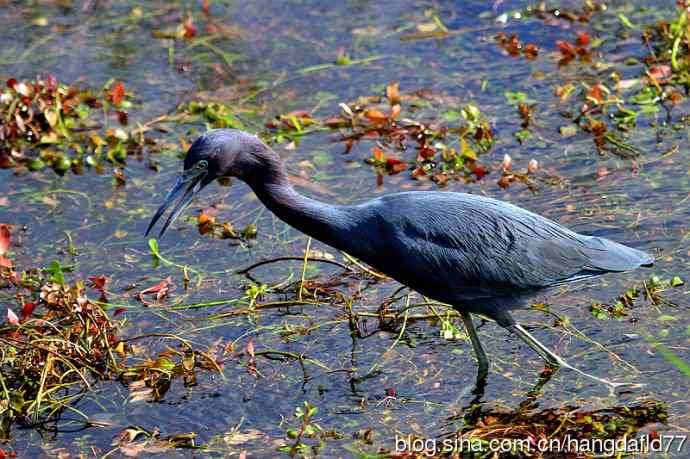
x,y
475,253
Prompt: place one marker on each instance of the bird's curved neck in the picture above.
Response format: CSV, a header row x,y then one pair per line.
x,y
325,222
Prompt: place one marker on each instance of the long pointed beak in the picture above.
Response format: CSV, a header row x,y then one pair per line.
x,y
187,187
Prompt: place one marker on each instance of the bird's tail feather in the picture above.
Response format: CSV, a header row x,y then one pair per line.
x,y
607,255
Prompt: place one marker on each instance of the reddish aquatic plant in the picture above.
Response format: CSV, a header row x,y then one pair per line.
x,y
49,123
379,119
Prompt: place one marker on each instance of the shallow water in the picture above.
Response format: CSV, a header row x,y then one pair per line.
x,y
432,377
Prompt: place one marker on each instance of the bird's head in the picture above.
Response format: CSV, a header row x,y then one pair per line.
x,y
219,153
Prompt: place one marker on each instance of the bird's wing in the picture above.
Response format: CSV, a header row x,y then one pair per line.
x,y
490,247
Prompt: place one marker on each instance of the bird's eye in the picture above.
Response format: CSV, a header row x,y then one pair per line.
x,y
203,164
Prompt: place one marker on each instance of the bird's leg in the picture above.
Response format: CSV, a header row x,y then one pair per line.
x,y
483,362
553,359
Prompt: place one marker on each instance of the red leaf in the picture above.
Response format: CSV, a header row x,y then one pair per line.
x,y
582,39
378,154
160,289
117,93
4,262
417,173
206,221
566,48
376,117
531,51
504,181
27,310
98,282
393,93
11,83
12,318
395,166
119,311
427,152
206,6
479,172
4,239
251,365
348,145
660,72
594,93
189,29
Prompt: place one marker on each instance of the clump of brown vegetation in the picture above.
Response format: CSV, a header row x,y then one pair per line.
x,y
62,341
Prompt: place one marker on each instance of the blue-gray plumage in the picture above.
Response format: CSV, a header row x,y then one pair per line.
x,y
478,254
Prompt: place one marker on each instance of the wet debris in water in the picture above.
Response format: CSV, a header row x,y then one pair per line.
x,y
159,291
59,346
562,13
444,150
651,291
579,50
549,426
515,47
47,123
136,440
57,342
207,225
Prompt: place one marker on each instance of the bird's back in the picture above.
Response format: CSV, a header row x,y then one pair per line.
x,y
457,247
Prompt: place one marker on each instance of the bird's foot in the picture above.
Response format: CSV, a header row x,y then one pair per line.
x,y
613,386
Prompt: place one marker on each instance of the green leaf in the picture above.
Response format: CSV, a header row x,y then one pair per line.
x,y
676,361
36,164
626,22
515,97
667,318
677,281
56,272
153,245
165,364
451,115
471,113
523,135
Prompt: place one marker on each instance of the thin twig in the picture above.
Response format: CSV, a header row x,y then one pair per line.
x,y
294,258
354,261
304,269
